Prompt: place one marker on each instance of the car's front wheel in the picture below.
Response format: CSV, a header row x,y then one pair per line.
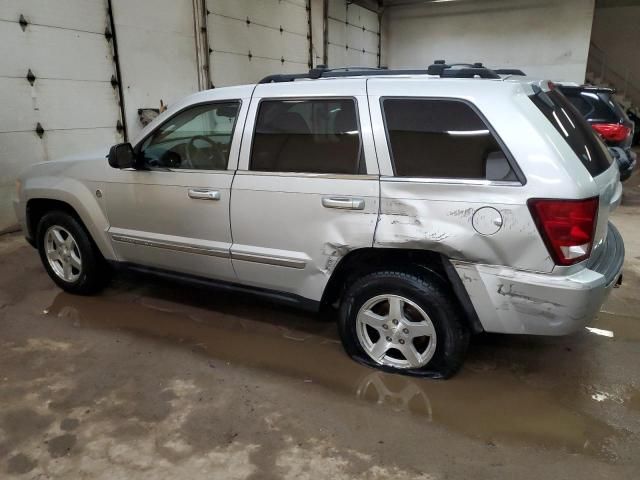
x,y
403,322
69,255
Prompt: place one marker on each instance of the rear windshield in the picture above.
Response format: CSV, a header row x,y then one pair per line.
x,y
574,129
597,107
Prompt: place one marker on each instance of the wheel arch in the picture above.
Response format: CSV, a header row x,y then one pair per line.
x,y
75,199
367,260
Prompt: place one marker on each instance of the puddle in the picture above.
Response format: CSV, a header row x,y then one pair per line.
x,y
491,399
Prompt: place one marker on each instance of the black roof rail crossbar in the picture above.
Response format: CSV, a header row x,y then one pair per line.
x,y
439,68
462,70
469,73
339,73
509,71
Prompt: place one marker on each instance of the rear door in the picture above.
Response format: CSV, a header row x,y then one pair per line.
x,y
306,191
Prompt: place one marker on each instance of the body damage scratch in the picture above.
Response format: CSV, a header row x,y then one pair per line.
x,y
461,212
439,226
508,292
334,252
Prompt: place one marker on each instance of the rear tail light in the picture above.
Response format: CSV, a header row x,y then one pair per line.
x,y
612,132
567,227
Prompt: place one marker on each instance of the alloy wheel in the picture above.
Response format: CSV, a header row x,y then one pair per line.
x,y
396,332
62,253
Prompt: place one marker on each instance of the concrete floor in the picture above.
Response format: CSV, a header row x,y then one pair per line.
x,y
156,380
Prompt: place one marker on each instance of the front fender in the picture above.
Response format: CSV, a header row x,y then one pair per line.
x,y
82,198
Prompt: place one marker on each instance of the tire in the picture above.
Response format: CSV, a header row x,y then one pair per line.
x,y
88,272
430,323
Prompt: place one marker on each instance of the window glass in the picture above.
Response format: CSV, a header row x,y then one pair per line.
x,y
310,136
198,138
574,129
442,139
594,106
583,104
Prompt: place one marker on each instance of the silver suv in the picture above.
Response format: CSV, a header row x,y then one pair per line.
x,y
423,207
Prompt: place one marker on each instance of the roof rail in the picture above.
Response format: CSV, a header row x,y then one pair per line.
x,y
439,68
460,70
509,71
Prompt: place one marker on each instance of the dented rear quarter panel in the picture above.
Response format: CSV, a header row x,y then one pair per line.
x,y
437,214
512,282
439,218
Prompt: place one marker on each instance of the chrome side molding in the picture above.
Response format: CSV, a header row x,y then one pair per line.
x,y
211,251
269,260
178,247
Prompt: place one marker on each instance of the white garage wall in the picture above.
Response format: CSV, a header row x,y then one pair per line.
x,y
156,46
72,98
250,39
317,31
619,48
353,33
547,39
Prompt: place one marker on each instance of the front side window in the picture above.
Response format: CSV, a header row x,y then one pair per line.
x,y
307,136
442,139
197,138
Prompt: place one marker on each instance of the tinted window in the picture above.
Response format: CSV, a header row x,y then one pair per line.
x,y
314,136
594,106
442,139
197,138
574,129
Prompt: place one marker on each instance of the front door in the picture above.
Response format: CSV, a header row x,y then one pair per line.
x,y
306,192
173,213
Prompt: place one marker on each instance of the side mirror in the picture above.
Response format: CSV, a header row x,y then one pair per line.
x,y
122,156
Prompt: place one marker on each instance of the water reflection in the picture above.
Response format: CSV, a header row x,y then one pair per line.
x,y
394,392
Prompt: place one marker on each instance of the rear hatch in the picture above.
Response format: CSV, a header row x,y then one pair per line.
x,y
589,149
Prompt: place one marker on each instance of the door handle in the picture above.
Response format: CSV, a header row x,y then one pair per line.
x,y
204,194
347,203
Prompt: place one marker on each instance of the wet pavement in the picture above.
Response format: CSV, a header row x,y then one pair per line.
x,y
154,379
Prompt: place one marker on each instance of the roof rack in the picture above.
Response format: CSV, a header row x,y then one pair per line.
x,y
439,68
510,71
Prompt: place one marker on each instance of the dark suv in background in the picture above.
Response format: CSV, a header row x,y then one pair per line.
x,y
636,120
608,119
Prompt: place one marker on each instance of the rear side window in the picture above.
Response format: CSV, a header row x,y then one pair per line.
x,y
442,139
574,129
308,136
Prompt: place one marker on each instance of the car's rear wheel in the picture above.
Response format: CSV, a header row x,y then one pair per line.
x,y
69,255
403,322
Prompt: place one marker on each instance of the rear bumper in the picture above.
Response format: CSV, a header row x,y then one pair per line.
x,y
512,301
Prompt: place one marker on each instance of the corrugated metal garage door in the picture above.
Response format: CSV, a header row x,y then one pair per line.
x,y
353,35
250,39
63,44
